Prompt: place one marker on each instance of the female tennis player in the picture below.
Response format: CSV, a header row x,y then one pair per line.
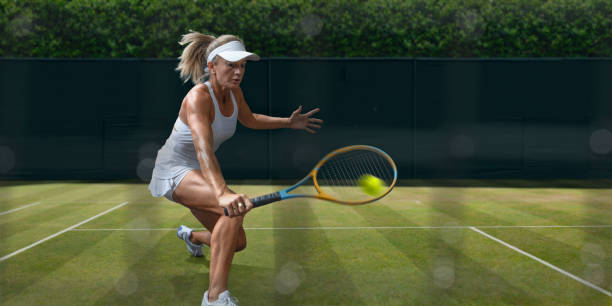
x,y
186,169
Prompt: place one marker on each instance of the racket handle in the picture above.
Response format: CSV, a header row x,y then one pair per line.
x,y
262,200
266,199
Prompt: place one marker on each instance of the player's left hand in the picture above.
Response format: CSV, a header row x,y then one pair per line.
x,y
301,121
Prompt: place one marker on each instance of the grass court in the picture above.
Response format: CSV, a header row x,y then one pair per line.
x,y
506,243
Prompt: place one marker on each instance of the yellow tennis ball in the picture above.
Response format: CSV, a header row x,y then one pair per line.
x,y
371,185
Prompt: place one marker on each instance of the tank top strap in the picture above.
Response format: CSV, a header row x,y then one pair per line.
x,y
216,103
214,99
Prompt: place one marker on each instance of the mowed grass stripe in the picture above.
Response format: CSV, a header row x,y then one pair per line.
x,y
452,207
83,194
77,194
450,265
587,283
373,263
412,282
491,212
67,192
19,208
30,267
19,230
330,228
59,233
525,216
327,208
586,253
555,251
155,214
592,210
94,192
464,209
543,285
107,269
402,203
564,213
29,192
157,270
13,198
314,253
571,206
435,206
531,214
131,269
452,277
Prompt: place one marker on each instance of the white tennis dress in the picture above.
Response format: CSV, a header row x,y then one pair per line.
x,y
178,155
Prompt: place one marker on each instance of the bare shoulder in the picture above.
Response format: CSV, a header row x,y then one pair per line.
x,y
197,102
199,94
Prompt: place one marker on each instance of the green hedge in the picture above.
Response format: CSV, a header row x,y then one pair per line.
x,y
350,28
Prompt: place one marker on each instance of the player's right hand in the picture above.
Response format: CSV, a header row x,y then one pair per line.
x,y
235,204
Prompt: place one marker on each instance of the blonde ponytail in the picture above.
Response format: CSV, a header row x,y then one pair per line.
x,y
193,57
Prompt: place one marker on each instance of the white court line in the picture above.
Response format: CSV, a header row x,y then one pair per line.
x,y
358,227
544,262
18,208
60,232
544,226
129,229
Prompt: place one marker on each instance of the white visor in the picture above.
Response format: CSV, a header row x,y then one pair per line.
x,y
233,51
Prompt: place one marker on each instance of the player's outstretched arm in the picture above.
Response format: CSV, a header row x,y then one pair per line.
x,y
297,120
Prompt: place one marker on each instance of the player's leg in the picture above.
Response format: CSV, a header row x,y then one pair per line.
x,y
209,220
223,244
194,192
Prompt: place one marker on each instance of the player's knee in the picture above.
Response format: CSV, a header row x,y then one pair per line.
x,y
231,221
227,226
235,221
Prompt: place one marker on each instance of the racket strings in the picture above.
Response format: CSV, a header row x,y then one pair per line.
x,y
345,169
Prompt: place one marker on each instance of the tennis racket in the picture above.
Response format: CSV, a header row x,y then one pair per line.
x,y
338,177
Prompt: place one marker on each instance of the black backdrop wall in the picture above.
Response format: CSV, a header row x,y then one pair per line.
x,y
438,118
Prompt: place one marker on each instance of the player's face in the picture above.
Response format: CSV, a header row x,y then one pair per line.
x,y
229,74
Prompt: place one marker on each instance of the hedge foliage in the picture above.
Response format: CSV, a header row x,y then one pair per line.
x,y
305,28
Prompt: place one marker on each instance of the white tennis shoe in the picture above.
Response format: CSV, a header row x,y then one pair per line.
x,y
225,298
184,233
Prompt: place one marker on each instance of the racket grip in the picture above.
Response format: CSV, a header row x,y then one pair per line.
x,y
266,199
262,200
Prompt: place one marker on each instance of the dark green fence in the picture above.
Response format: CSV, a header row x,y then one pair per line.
x,y
105,119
